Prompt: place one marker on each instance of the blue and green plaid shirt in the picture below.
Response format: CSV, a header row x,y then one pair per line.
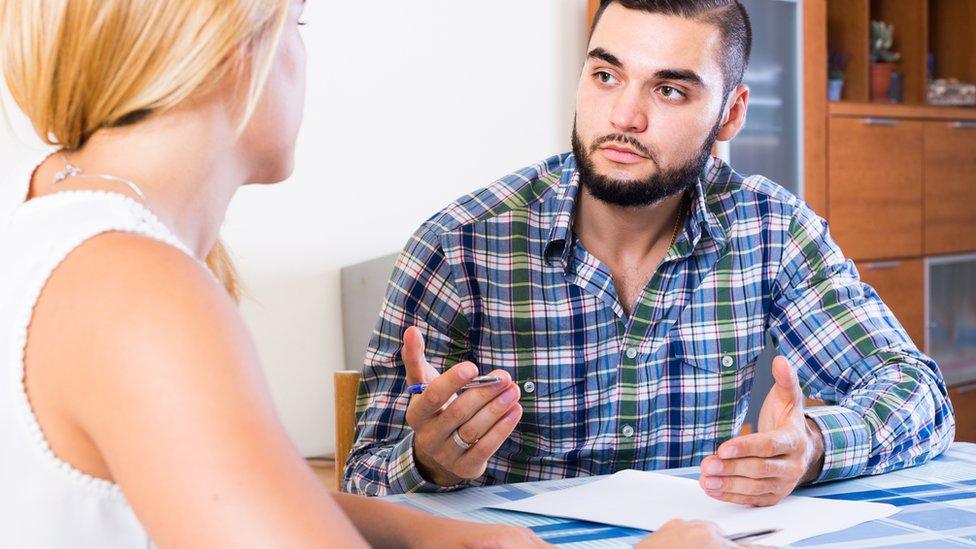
x,y
499,279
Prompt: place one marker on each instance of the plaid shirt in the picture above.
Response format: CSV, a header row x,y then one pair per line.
x,y
498,278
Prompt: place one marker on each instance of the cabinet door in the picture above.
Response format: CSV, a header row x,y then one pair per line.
x,y
964,403
950,187
901,285
875,187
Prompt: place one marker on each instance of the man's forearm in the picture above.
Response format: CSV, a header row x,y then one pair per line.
x,y
897,417
391,469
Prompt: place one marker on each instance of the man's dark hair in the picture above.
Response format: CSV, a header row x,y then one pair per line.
x,y
728,15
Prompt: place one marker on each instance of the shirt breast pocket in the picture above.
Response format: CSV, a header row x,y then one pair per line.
x,y
709,383
552,382
554,407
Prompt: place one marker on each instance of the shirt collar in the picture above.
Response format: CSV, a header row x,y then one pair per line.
x,y
564,210
700,221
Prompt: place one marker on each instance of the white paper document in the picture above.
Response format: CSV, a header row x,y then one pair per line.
x,y
646,500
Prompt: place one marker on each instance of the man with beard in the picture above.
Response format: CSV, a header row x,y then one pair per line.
x,y
623,293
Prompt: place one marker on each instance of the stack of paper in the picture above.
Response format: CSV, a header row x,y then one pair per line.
x,y
646,500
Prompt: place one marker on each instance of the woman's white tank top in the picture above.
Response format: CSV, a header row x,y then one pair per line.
x,y
44,501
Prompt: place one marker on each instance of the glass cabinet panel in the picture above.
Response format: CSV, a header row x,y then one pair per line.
x,y
951,316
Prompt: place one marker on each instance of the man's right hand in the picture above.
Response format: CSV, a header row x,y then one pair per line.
x,y
483,417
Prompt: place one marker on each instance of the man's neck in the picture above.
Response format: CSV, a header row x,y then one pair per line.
x,y
627,234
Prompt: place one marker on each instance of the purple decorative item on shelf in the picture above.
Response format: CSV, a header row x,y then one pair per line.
x,y
836,63
835,89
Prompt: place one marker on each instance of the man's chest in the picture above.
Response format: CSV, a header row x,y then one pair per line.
x,y
713,315
679,368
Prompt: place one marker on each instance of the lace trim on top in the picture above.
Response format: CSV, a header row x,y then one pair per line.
x,y
144,223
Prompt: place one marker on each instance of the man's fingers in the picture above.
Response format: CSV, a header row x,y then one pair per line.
x,y
418,371
768,444
787,380
472,462
742,485
489,414
764,500
439,431
752,467
442,389
470,403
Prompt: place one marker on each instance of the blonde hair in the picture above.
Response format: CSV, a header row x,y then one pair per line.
x,y
76,66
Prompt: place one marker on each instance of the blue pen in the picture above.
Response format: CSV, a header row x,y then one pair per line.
x,y
479,381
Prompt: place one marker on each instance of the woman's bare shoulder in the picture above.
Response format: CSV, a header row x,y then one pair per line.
x,y
122,315
121,300
160,373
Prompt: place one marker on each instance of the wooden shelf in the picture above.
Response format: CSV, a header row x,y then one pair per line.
x,y
910,18
886,110
942,27
901,192
951,38
848,23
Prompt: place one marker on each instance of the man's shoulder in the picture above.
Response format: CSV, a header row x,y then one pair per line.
x,y
724,182
733,197
518,191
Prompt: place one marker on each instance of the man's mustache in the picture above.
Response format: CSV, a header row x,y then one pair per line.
x,y
625,139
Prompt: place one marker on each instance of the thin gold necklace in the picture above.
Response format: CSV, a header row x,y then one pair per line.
x,y
677,222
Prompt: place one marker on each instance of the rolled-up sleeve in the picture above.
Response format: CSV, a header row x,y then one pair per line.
x,y
888,405
420,293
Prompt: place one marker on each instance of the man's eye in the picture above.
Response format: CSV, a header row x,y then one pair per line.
x,y
671,93
605,77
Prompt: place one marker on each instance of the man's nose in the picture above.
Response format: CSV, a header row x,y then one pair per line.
x,y
629,114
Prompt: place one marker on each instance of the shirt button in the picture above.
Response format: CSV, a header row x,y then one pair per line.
x,y
627,431
631,353
529,387
728,361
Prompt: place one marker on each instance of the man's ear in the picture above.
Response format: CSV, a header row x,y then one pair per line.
x,y
734,117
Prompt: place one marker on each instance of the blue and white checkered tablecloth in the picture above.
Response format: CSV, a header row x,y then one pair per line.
x,y
936,501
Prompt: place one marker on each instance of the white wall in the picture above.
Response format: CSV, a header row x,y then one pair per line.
x,y
410,105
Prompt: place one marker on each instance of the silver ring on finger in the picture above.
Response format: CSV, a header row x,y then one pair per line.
x,y
461,443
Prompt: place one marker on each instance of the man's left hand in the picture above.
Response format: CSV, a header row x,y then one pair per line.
x,y
764,467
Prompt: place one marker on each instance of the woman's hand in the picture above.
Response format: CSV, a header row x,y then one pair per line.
x,y
681,533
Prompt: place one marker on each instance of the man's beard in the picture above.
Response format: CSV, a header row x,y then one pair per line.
x,y
663,183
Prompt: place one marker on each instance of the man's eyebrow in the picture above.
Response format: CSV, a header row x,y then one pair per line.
x,y
687,76
604,55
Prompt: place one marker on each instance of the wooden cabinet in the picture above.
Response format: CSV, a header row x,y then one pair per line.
x,y
875,187
950,187
964,403
591,7
848,22
901,285
899,184
940,27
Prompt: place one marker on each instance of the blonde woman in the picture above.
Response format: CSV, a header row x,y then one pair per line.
x,y
133,411
132,404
